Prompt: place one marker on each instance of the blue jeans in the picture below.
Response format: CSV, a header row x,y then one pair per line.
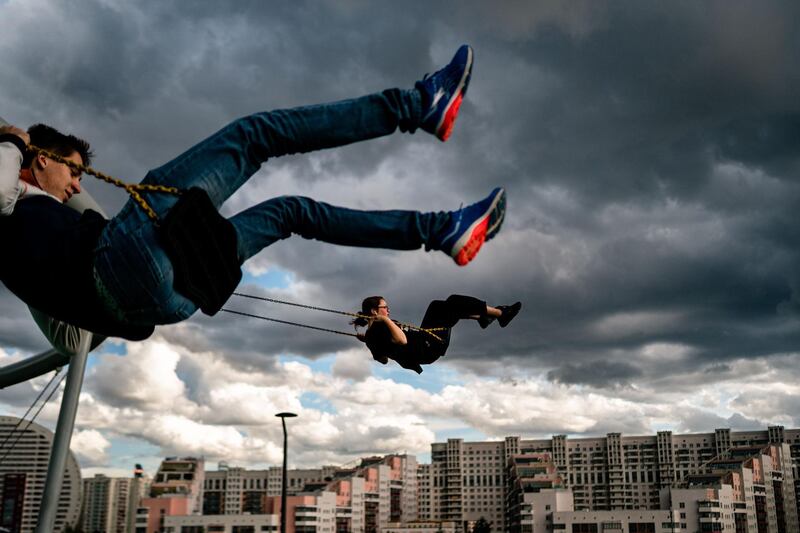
x,y
133,274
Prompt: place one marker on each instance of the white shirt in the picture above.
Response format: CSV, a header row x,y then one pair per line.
x,y
12,188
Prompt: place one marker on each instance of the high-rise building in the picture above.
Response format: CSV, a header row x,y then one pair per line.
x,y
105,504
235,490
373,493
745,489
467,481
24,457
364,498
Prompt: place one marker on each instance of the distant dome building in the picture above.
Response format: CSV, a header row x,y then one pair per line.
x,y
23,473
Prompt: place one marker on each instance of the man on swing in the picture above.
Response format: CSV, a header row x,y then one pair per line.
x,y
118,278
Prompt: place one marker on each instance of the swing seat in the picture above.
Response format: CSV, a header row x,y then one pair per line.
x,y
203,249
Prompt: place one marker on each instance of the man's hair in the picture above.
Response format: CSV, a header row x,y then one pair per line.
x,y
54,141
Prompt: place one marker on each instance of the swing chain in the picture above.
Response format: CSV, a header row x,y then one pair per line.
x,y
132,189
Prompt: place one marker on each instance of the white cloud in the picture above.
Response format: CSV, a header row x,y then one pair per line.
x,y
90,446
353,364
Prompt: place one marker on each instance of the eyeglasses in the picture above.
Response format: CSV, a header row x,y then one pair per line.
x,y
383,307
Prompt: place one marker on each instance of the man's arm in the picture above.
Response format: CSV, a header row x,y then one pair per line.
x,y
12,145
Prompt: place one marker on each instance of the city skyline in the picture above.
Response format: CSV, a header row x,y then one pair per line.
x,y
650,156
675,481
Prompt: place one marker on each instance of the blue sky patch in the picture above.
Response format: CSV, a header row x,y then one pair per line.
x,y
312,400
274,278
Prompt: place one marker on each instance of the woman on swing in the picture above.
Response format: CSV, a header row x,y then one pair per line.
x,y
411,348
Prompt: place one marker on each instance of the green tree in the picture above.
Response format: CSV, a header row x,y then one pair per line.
x,y
482,526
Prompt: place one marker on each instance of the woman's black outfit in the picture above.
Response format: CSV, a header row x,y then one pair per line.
x,y
422,348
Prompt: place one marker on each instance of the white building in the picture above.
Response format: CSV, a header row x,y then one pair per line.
x,y
105,504
622,521
422,526
23,473
467,481
221,523
745,489
367,497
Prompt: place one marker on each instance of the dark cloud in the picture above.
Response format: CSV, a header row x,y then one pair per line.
x,y
599,374
650,152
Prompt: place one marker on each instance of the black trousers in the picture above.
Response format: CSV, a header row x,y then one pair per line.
x,y
445,314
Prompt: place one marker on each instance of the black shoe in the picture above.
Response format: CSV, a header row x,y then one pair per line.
x,y
485,321
509,312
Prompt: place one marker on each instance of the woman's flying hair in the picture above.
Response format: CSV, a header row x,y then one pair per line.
x,y
367,305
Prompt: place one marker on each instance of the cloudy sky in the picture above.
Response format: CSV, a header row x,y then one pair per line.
x,y
650,151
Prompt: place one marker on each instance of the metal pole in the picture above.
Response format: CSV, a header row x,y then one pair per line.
x,y
285,480
283,417
62,438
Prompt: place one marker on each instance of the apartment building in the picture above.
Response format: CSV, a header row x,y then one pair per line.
x,y
105,504
747,489
531,476
235,490
222,524
421,526
622,521
376,491
24,456
176,489
467,481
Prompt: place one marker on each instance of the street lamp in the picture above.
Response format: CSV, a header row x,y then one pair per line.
x,y
283,417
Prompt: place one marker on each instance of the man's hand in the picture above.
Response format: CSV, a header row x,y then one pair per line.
x,y
22,134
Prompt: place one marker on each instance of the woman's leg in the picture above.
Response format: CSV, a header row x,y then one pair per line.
x,y
447,313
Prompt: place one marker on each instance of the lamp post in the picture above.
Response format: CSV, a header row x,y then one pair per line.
x,y
283,417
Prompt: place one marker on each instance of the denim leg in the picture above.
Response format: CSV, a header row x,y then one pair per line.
x,y
226,160
135,273
278,218
133,268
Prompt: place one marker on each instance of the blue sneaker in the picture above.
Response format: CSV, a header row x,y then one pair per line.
x,y
471,226
443,92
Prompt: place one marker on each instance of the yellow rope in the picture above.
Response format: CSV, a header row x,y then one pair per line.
x,y
131,189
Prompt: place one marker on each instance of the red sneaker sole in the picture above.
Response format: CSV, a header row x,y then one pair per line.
x,y
473,245
446,129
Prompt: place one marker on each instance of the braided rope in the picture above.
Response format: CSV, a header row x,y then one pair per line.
x,y
132,189
429,331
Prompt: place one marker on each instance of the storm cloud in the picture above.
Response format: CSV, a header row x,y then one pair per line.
x,y
650,152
